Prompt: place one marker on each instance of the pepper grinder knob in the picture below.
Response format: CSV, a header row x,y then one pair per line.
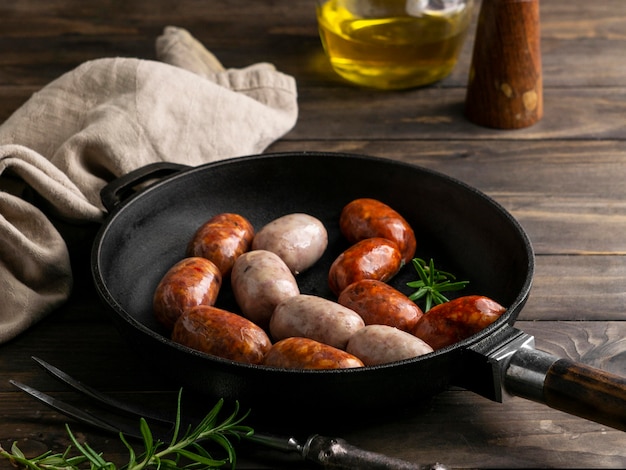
x,y
505,88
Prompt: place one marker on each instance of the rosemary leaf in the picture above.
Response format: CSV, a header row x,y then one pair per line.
x,y
186,453
432,283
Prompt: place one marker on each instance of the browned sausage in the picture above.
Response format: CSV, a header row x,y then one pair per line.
x,y
380,304
453,321
222,239
304,353
372,258
221,333
369,218
190,282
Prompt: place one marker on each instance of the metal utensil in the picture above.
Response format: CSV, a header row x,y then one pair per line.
x,y
331,453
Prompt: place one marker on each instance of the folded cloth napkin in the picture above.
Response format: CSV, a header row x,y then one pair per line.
x,y
102,120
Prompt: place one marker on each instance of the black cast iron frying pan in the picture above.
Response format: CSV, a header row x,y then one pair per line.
x,y
463,230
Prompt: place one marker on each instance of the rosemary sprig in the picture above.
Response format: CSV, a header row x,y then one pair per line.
x,y
181,453
432,282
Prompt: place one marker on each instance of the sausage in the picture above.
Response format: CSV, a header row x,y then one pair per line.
x,y
453,321
299,239
372,258
369,218
222,239
221,333
260,280
315,318
305,353
380,304
381,344
190,282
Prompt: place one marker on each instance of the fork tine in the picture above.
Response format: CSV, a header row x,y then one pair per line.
x,y
100,397
76,413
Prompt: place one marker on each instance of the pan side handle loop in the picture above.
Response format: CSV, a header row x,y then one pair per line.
x,y
568,386
120,189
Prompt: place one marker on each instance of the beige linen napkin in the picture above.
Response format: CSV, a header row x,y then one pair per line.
x,y
102,120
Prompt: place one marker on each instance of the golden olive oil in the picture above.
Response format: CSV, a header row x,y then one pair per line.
x,y
392,52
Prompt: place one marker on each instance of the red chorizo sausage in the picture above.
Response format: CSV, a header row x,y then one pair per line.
x,y
369,218
380,304
304,353
222,239
190,282
221,333
372,258
456,320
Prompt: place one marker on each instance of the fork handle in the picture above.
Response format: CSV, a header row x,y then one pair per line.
x,y
333,453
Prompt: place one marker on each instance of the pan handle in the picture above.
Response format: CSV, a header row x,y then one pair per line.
x,y
567,386
120,189
506,362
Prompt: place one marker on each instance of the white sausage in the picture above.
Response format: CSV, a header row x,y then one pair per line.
x,y
380,344
299,239
261,280
315,318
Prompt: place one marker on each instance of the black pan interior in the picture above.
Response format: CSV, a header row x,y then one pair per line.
x,y
464,231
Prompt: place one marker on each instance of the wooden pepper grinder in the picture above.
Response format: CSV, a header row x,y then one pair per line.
x,y
505,88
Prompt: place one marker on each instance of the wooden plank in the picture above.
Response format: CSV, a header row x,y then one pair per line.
x,y
465,431
338,114
585,288
600,344
562,18
587,168
437,113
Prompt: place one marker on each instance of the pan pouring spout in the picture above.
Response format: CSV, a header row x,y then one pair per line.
x,y
513,366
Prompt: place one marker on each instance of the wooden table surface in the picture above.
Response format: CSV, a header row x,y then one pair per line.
x,y
563,179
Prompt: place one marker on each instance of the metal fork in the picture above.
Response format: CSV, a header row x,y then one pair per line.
x,y
326,452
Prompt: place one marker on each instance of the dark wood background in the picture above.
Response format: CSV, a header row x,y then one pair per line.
x,y
563,179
